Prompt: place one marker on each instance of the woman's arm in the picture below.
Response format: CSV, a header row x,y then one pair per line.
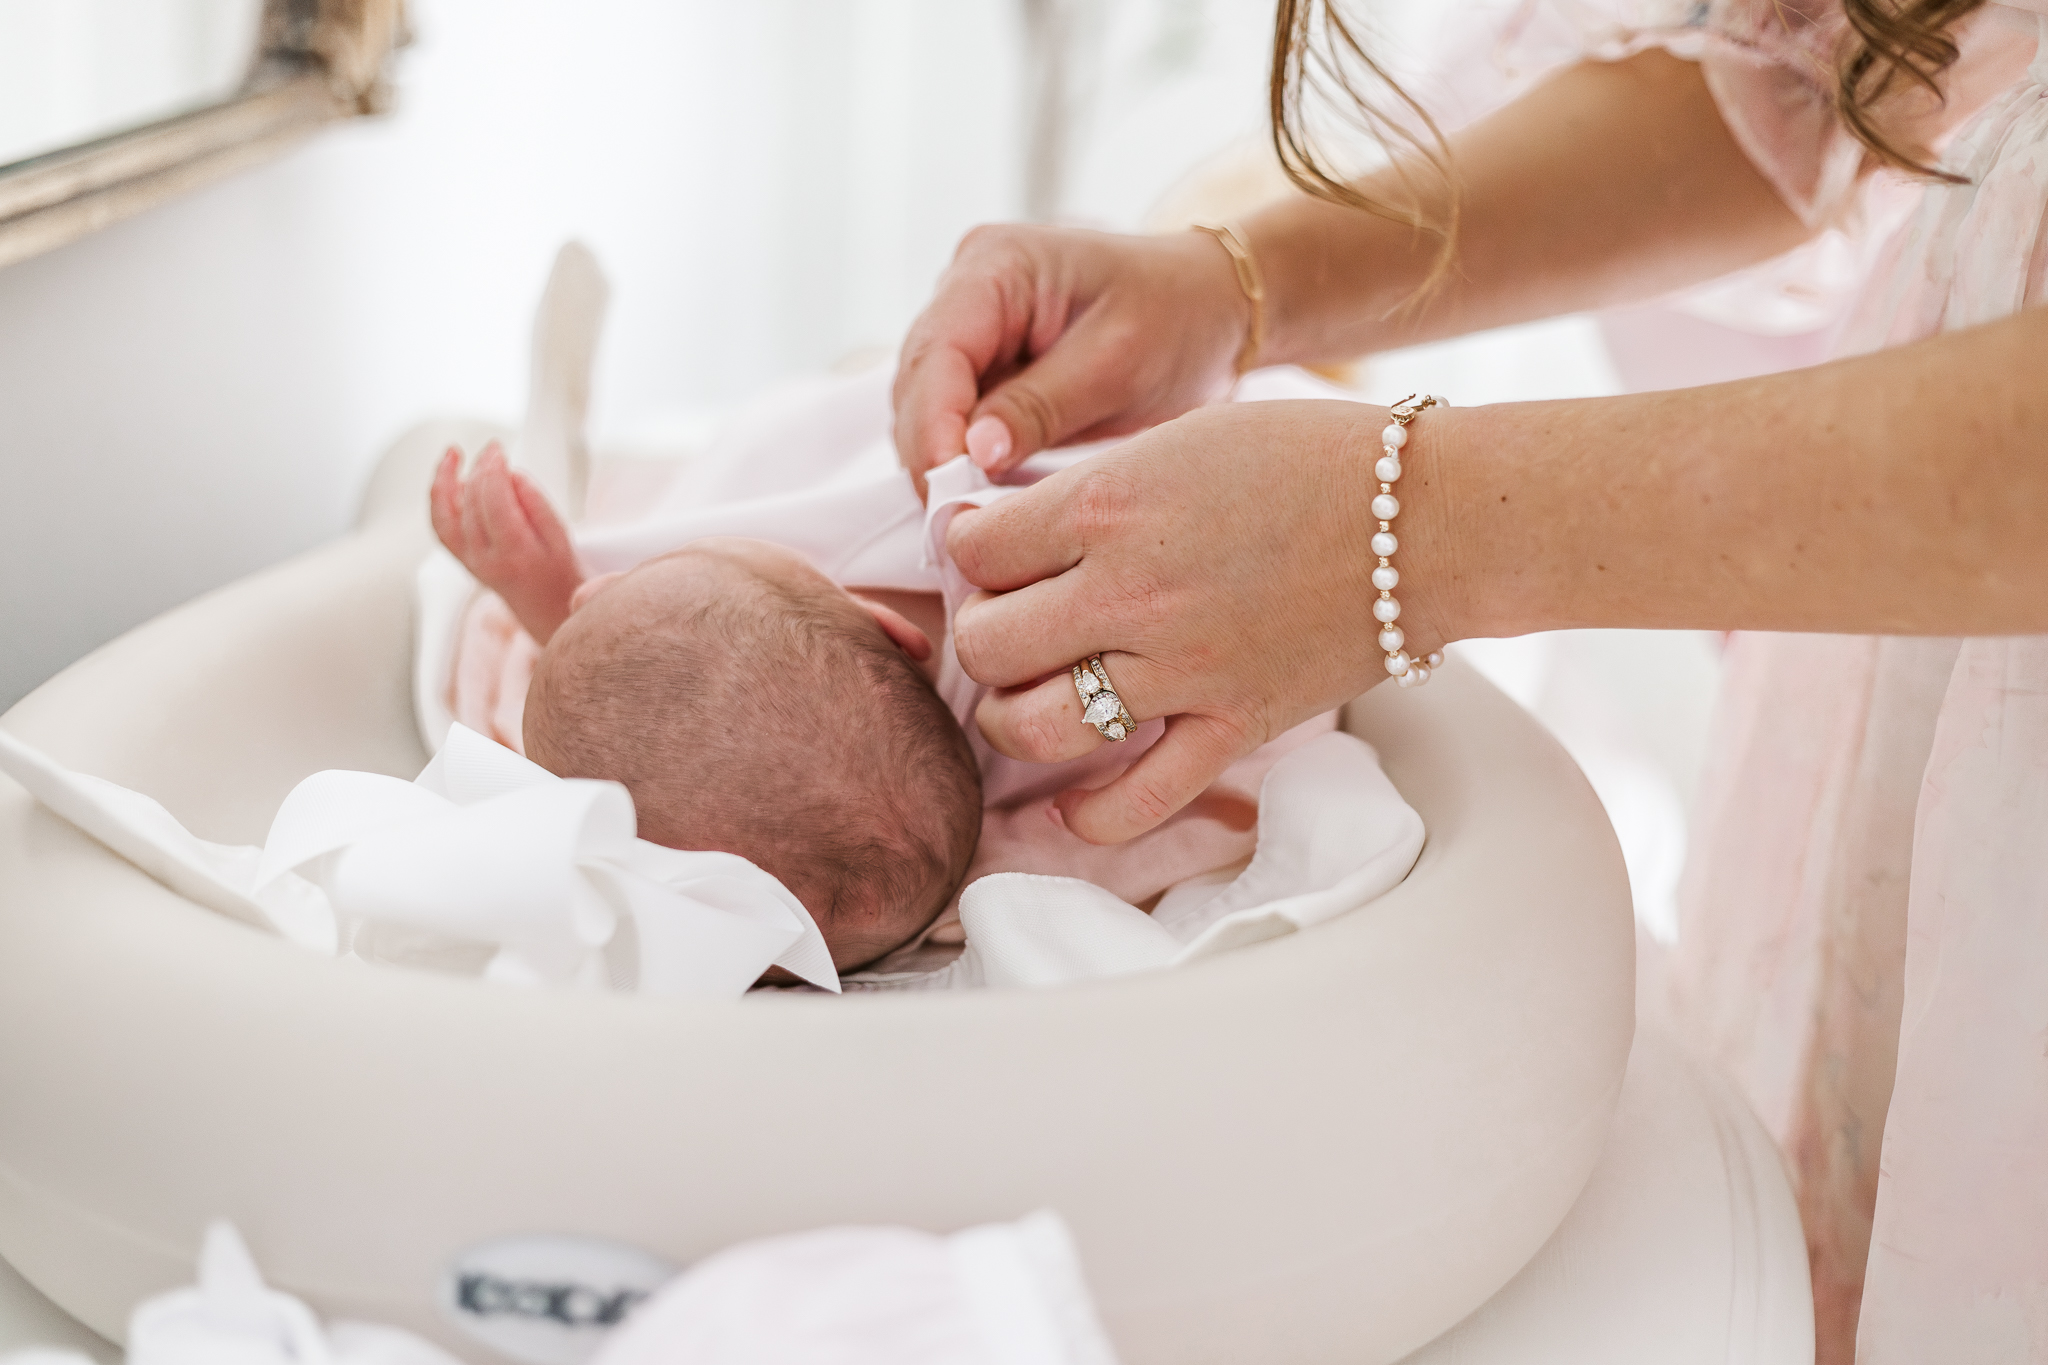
x,y
1901,493
1609,182
1219,561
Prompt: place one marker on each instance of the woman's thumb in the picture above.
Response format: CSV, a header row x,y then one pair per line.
x,y
989,442
1061,394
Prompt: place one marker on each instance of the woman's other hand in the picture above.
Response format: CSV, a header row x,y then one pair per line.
x,y
499,524
1221,566
1043,336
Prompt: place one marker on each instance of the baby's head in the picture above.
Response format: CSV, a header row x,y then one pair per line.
x,y
753,706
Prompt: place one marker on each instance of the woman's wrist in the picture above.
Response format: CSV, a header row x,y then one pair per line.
x,y
1220,299
1250,284
1419,542
1326,270
1409,669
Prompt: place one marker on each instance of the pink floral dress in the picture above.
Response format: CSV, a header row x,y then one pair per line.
x,y
1864,925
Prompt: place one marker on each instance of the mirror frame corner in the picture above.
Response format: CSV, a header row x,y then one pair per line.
x,y
317,61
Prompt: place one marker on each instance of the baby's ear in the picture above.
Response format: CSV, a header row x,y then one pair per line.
x,y
591,587
908,638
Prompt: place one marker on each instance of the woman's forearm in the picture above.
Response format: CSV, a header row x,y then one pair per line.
x,y
1611,182
1904,492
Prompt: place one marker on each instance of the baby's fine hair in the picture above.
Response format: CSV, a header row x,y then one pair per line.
x,y
775,722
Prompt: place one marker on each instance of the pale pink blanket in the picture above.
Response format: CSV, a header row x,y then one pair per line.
x,y
1864,936
812,467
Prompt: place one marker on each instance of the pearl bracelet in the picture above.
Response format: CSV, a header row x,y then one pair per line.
x,y
1407,672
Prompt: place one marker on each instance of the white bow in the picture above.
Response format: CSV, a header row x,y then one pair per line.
x,y
483,847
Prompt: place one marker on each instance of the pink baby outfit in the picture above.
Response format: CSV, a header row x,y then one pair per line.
x,y
1864,936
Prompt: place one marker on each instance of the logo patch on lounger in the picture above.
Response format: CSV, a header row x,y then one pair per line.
x,y
548,1300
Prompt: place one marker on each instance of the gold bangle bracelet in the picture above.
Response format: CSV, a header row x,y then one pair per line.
x,y
1249,281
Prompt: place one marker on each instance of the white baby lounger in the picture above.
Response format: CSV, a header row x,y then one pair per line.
x,y
1328,1147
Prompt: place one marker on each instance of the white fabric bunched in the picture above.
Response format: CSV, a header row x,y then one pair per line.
x,y
231,1317
1000,1294
484,848
997,1294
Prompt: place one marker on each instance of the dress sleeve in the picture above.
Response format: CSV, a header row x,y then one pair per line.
x,y
1768,63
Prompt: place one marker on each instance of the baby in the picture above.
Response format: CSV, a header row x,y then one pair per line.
x,y
749,704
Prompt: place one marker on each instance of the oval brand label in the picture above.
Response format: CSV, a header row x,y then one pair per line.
x,y
548,1299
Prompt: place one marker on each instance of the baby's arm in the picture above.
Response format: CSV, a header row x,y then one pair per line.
x,y
499,524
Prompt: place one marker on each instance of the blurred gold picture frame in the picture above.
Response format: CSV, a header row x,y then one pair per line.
x,y
316,61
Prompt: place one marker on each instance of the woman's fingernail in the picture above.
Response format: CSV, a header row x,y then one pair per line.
x,y
988,442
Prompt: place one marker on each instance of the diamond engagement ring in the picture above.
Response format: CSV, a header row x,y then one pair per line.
x,y
1101,707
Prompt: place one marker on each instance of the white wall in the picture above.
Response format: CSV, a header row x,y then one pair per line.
x,y
198,391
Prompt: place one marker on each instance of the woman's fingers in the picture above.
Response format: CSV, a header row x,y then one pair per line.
x,y
1041,723
1081,383
1192,753
1038,336
1019,540
968,330
935,390
1015,638
1033,534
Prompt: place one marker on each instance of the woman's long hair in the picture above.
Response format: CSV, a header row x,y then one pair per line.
x,y
1895,43
1891,46
1316,49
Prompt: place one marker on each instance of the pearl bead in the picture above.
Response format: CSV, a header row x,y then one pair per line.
x,y
1384,544
1386,507
1398,665
1420,674
1387,470
1387,609
1391,638
1395,436
1386,579
1441,401
1406,679
1436,658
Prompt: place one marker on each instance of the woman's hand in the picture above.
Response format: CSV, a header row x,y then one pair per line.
x,y
1042,336
1220,565
1220,562
499,524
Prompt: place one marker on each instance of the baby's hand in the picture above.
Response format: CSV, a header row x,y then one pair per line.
x,y
499,524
